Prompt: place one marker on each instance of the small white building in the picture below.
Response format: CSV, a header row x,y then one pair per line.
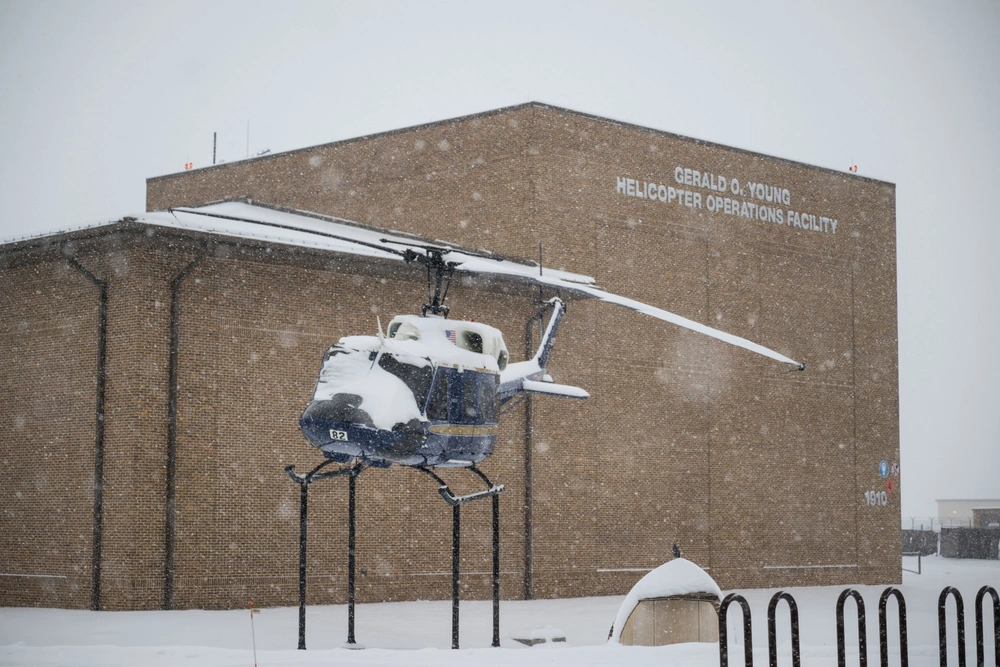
x,y
675,603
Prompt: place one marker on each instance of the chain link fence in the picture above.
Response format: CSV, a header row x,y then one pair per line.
x,y
933,523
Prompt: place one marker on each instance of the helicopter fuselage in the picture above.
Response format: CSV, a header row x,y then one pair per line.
x,y
460,428
426,395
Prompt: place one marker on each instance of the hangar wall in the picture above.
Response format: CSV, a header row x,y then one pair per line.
x,y
757,473
47,379
798,450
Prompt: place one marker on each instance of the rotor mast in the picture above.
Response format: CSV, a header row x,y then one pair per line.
x,y
439,274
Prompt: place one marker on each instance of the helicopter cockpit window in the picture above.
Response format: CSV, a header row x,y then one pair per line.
x,y
470,399
437,408
403,331
417,378
478,397
472,342
488,400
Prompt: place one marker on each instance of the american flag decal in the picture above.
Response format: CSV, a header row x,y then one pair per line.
x,y
451,334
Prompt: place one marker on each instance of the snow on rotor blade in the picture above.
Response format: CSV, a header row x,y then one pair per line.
x,y
673,318
475,265
231,218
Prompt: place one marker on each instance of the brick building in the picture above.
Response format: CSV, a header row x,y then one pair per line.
x,y
762,476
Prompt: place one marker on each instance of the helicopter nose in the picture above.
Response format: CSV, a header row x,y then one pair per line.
x,y
339,408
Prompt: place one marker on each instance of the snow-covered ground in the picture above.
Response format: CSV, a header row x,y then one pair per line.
x,y
419,633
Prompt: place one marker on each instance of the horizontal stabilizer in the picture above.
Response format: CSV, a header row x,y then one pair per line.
x,y
553,389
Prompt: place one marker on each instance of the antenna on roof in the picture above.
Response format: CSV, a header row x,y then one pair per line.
x,y
213,146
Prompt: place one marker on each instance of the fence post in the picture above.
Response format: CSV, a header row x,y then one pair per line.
x,y
883,638
772,633
980,647
747,631
862,637
943,628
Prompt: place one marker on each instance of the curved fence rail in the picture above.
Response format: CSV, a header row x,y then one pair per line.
x,y
772,632
883,638
862,636
723,630
980,647
943,627
883,603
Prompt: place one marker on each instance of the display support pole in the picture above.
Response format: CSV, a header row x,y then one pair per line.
x,y
456,502
303,523
456,536
496,571
304,481
350,559
496,558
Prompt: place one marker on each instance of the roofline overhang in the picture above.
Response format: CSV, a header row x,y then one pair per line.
x,y
132,232
127,223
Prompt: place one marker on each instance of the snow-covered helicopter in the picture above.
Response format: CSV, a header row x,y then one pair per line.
x,y
427,392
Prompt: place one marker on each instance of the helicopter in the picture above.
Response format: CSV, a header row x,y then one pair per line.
x,y
428,392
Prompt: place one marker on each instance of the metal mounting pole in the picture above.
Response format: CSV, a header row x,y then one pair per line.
x,y
303,511
350,559
496,571
304,481
496,555
456,536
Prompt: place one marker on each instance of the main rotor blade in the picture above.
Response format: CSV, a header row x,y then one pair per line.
x,y
276,225
474,266
673,318
468,261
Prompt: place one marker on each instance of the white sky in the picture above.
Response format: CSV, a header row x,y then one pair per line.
x,y
97,96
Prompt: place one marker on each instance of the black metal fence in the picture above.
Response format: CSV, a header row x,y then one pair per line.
x,y
923,542
982,543
883,632
850,593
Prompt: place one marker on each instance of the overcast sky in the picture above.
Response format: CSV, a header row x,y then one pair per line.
x,y
98,96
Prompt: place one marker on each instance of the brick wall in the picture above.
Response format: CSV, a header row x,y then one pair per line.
x,y
757,473
48,338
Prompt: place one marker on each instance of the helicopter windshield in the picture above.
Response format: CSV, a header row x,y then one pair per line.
x,y
437,407
466,397
478,397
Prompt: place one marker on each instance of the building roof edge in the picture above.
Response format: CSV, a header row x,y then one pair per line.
x,y
518,107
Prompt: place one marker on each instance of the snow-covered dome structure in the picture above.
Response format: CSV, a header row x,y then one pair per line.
x,y
675,603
